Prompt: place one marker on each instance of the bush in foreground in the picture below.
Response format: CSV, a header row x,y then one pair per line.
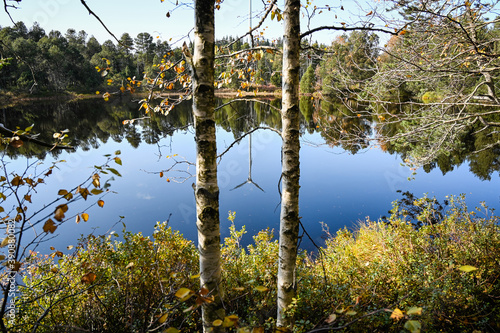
x,y
384,277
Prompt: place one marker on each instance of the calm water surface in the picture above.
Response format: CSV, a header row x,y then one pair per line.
x,y
337,187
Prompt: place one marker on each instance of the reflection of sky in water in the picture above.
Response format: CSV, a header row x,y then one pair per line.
x,y
336,188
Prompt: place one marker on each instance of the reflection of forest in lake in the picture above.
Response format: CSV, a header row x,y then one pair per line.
x,y
341,181
94,122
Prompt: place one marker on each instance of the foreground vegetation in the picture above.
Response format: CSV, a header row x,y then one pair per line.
x,y
389,276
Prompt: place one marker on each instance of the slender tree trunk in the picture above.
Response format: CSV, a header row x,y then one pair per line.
x,y
289,221
207,190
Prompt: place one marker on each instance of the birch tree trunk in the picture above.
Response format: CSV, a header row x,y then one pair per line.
x,y
207,190
289,220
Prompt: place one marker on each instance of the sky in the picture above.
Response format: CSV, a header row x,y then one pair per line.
x,y
134,16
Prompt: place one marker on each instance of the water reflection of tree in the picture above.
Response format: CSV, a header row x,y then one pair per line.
x,y
340,123
477,144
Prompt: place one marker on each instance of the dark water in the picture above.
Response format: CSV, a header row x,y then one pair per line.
x,y
337,187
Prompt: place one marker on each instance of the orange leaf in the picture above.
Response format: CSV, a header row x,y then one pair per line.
x,y
16,143
49,226
88,278
100,203
85,217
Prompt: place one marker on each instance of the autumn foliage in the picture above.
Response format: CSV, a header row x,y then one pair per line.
x,y
385,276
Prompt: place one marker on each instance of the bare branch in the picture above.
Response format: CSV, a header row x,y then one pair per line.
x,y
243,136
345,28
98,19
6,9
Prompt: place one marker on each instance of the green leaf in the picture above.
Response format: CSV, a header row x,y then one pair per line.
x,y
114,171
467,268
414,311
118,160
118,152
413,326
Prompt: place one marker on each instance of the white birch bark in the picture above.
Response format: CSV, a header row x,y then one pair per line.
x,y
206,190
289,220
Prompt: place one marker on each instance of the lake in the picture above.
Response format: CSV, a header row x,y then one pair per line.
x,y
338,188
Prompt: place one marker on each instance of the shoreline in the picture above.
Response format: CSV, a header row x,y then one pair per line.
x,y
11,99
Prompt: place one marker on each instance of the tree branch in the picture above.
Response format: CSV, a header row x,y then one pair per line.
x,y
98,19
6,9
269,9
344,28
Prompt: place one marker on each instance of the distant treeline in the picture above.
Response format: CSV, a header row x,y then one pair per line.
x,y
35,61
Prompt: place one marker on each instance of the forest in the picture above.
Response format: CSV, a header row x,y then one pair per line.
x,y
426,93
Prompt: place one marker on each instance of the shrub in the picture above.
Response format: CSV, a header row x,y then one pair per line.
x,y
109,285
387,276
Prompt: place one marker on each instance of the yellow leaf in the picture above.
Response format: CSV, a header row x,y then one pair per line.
x,y
62,192
217,322
5,242
195,276
261,288
239,288
351,313
130,265
172,330
467,268
83,192
100,203
414,311
184,294
230,321
85,217
397,314
49,226
163,318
